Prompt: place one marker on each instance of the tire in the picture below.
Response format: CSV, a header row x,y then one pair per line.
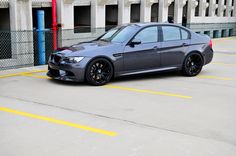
x,y
193,64
99,72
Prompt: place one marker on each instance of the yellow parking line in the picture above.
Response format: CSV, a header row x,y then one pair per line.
x,y
215,77
224,64
60,122
36,76
148,91
22,73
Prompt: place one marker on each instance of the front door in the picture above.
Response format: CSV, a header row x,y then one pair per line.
x,y
144,55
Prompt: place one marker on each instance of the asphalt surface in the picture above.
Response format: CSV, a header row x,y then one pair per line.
x,y
147,115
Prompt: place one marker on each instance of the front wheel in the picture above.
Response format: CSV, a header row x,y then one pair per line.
x,y
99,72
192,64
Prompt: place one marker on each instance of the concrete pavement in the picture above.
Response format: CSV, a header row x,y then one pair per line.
x,y
157,114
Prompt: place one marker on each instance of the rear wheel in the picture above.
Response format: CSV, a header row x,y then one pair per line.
x,y
99,72
193,64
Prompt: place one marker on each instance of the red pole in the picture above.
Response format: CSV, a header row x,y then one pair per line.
x,y
54,24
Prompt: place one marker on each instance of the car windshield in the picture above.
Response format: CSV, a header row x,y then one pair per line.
x,y
118,34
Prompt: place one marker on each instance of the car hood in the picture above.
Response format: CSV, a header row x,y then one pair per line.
x,y
87,48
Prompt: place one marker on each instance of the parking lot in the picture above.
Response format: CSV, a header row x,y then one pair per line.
x,y
163,114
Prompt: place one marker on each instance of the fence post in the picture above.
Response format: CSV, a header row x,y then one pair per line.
x,y
41,37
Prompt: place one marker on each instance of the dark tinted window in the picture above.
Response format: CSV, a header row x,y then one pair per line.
x,y
184,34
171,33
147,35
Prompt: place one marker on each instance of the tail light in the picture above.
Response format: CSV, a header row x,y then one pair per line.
x,y
210,44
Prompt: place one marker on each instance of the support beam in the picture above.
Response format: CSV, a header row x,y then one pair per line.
x,y
124,10
202,7
212,7
234,9
192,4
145,15
65,10
98,14
221,8
228,8
163,10
178,12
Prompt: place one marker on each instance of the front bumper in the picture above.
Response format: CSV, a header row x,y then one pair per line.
x,y
67,71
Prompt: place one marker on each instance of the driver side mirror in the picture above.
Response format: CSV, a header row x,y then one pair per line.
x,y
134,42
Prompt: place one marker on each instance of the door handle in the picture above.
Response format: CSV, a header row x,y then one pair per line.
x,y
155,48
184,44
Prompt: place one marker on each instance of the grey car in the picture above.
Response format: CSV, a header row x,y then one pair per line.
x,y
132,49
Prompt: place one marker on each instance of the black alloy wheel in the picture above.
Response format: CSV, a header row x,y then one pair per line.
x,y
99,72
193,64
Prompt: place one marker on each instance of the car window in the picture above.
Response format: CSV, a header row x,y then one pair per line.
x,y
148,35
184,34
171,33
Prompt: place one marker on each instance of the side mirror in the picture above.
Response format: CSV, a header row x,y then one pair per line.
x,y
134,42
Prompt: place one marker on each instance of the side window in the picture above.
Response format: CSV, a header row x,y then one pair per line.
x,y
184,34
171,33
148,35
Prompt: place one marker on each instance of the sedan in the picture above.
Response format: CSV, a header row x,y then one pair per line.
x,y
132,49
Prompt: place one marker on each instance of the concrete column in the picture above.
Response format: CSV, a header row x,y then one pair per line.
x,y
21,15
21,33
192,4
65,13
228,8
163,10
178,12
234,9
212,7
146,5
202,7
98,14
124,10
221,8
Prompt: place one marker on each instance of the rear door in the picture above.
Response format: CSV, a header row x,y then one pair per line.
x,y
143,56
175,42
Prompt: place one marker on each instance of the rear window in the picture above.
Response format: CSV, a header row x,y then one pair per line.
x,y
171,33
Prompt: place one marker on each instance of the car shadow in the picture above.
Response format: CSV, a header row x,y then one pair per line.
x,y
147,76
130,78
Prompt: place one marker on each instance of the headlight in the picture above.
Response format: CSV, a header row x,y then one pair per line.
x,y
73,59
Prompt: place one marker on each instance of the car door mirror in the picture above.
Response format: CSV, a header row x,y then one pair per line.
x,y
135,41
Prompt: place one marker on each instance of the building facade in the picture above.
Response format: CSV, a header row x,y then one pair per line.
x,y
86,19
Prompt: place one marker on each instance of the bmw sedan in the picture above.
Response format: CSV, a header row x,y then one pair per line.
x,y
132,49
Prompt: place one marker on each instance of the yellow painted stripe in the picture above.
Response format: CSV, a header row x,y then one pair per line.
x,y
215,77
148,91
224,64
36,76
60,122
22,73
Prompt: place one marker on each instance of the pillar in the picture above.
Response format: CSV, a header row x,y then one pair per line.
x,y
124,10
234,10
98,13
228,8
146,6
178,12
221,8
192,4
21,33
65,13
202,7
212,7
163,10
